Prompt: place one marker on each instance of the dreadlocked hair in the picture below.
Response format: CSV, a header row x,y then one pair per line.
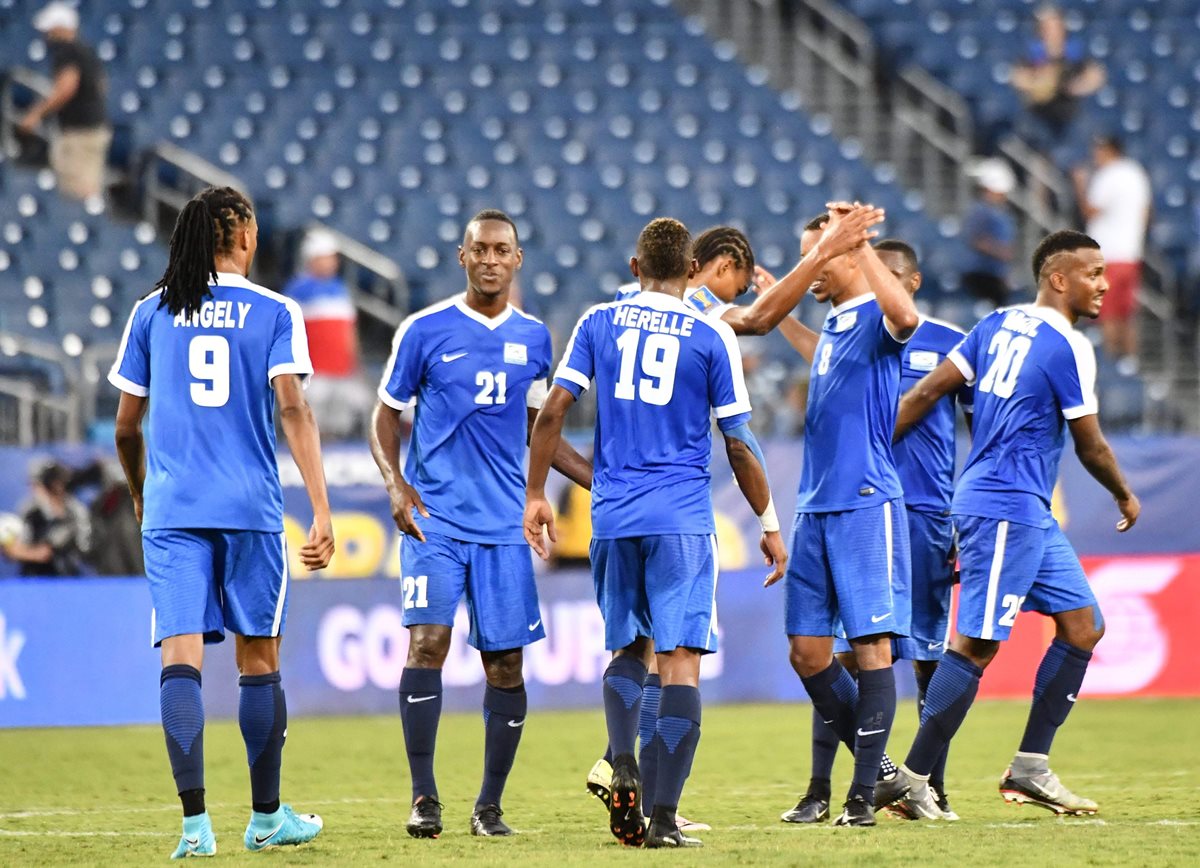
x,y
204,228
724,241
664,249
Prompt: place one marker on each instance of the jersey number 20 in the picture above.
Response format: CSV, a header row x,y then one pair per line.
x,y
660,356
1010,351
208,362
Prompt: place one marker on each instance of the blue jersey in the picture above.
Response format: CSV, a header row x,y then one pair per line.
x,y
471,379
660,368
852,396
925,455
210,438
1031,370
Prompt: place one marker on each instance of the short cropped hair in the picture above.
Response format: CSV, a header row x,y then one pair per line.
x,y
664,249
895,245
815,224
494,214
1062,241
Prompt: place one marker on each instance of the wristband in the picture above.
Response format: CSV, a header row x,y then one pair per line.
x,y
768,519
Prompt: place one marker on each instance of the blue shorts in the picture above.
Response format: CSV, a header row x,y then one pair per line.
x,y
663,587
206,581
497,580
1007,567
853,566
931,541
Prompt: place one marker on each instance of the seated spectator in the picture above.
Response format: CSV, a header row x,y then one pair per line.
x,y
56,533
340,397
990,233
78,98
1054,76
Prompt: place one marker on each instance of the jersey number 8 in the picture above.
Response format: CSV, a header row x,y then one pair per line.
x,y
1010,351
208,361
660,356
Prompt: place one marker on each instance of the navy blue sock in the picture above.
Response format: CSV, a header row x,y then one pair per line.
x,y
608,755
262,715
1059,678
874,716
183,725
622,692
825,744
647,724
503,722
677,733
951,692
834,695
420,711
937,776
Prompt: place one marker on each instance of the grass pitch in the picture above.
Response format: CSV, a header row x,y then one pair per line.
x,y
104,796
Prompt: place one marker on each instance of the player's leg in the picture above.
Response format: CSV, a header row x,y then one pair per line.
x,y
1061,591
254,581
434,578
505,615
179,567
813,806
599,779
681,591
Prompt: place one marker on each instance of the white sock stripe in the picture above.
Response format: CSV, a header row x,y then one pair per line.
x,y
989,609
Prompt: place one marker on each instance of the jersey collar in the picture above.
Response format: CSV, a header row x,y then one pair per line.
x,y
1050,316
228,278
491,323
662,301
857,301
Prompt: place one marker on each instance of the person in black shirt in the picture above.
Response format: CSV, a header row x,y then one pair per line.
x,y
56,532
78,98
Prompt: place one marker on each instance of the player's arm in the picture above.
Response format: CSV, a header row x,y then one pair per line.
x,y
545,439
1097,457
921,398
304,440
131,446
801,337
385,449
750,472
567,459
843,233
899,312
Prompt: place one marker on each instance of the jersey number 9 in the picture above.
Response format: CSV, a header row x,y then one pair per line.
x,y
660,356
208,361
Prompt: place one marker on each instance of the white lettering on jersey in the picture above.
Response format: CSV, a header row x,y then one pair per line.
x,y
659,322
1016,321
216,315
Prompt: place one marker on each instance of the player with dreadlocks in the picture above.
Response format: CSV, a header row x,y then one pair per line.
x,y
209,354
725,270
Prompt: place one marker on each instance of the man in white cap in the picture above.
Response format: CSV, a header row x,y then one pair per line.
x,y
340,397
78,97
990,233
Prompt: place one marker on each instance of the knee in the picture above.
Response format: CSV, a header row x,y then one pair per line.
x,y
504,669
1085,638
427,649
807,661
978,651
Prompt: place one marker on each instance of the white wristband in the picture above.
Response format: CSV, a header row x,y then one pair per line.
x,y
769,520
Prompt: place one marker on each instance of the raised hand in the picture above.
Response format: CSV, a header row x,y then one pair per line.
x,y
849,229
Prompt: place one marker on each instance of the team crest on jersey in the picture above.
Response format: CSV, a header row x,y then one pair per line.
x,y
703,300
515,354
923,360
845,321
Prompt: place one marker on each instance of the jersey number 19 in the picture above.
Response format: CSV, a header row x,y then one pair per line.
x,y
659,358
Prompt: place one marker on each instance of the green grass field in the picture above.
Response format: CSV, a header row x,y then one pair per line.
x,y
104,796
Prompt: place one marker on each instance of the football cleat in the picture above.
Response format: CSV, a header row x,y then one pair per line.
x,y
943,804
198,838
1045,790
810,809
425,821
486,822
892,788
599,780
663,832
857,811
284,828
917,804
625,818
686,825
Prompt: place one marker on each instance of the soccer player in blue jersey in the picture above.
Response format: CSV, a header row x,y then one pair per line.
x,y
925,461
660,370
850,558
1034,376
209,355
476,369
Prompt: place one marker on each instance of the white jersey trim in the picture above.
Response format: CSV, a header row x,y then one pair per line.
x,y
536,396
301,363
741,395
401,331
123,383
960,362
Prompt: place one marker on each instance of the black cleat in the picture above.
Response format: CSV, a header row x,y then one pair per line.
x,y
425,821
664,832
810,809
625,819
943,804
893,788
486,822
856,812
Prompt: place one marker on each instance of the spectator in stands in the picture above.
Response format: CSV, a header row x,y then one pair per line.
x,y
990,233
78,99
1054,76
1115,202
339,395
118,550
56,533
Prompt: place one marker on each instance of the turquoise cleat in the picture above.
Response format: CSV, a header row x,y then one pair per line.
x,y
281,829
198,838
